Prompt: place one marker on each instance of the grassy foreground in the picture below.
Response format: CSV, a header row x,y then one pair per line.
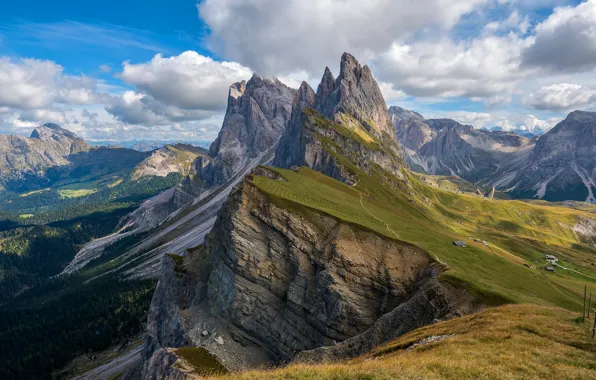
x,y
519,234
507,342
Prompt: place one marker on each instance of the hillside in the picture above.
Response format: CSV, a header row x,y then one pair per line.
x,y
508,342
176,158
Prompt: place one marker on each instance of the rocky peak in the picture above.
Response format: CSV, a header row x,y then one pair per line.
x,y
255,119
348,118
326,87
355,93
404,113
290,150
51,130
411,129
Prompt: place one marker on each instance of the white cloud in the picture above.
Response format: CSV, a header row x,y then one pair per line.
x,y
187,81
485,67
515,22
105,68
507,121
279,37
561,97
566,40
32,83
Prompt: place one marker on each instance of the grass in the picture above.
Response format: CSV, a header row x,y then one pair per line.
x,y
203,363
26,216
72,193
508,342
518,233
24,195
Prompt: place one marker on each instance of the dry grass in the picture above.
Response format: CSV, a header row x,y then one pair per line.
x,y
508,342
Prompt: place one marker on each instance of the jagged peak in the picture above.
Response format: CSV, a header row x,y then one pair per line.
x,y
356,93
304,92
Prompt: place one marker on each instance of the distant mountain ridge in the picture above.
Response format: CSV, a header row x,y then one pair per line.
x,y
48,146
557,165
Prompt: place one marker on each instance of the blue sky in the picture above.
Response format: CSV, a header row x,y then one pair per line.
x,y
123,69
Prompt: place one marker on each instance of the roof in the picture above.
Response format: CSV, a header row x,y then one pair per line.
x,y
460,243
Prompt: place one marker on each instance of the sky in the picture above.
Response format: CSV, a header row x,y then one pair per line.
x,y
156,70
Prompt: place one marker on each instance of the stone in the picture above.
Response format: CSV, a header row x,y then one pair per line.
x,y
219,340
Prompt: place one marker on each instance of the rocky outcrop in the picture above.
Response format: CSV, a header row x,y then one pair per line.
x,y
49,146
274,282
355,92
345,121
255,119
562,166
168,160
411,129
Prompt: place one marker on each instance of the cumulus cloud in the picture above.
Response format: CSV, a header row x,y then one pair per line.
x,y
506,121
562,96
33,83
480,68
187,81
170,90
277,37
566,40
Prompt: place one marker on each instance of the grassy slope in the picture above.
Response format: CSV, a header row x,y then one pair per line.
x,y
518,232
508,342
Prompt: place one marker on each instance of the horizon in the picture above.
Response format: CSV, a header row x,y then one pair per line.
x,y
165,73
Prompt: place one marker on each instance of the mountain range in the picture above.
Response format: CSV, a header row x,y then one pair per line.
x,y
555,166
336,247
322,226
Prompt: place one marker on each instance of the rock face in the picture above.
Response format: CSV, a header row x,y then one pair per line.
x,y
255,119
446,147
412,131
562,166
257,113
347,117
283,283
49,146
355,92
167,160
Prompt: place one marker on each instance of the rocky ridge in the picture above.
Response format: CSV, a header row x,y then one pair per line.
x,y
272,283
562,164
345,121
169,159
275,283
446,147
48,146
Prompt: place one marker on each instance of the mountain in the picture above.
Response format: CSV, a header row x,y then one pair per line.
x,y
446,147
48,146
347,116
183,215
562,165
338,248
176,158
255,118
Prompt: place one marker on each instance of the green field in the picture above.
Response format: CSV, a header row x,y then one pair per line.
x,y
519,233
71,193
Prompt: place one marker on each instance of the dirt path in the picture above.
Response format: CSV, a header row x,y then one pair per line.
x,y
374,217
